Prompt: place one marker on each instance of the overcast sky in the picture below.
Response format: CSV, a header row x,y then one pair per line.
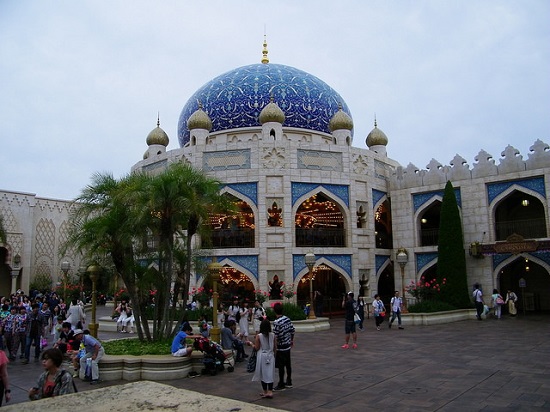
x,y
81,82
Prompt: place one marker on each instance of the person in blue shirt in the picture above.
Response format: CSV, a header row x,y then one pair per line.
x,y
179,347
94,351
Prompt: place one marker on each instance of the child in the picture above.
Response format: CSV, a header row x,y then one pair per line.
x,y
57,328
204,326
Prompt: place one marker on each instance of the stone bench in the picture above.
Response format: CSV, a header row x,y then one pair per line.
x,y
152,367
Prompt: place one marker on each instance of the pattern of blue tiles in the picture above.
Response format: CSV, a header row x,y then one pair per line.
x,y
420,198
376,196
236,98
542,255
248,189
300,189
249,262
535,184
342,261
422,259
380,260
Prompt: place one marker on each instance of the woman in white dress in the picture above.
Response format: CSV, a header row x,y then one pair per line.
x,y
75,314
244,313
265,344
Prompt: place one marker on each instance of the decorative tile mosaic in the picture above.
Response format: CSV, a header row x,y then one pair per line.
x,y
318,160
236,98
300,189
249,262
250,190
535,184
422,259
499,258
380,260
342,261
226,160
376,196
420,198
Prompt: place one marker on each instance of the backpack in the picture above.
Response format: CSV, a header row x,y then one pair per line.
x,y
238,316
58,381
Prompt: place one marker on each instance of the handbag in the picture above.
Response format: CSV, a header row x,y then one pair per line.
x,y
382,314
499,301
251,365
356,318
43,342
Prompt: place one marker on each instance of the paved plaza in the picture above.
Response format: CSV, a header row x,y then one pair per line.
x,y
492,365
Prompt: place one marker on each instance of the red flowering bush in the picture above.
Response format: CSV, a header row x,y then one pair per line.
x,y
201,295
288,290
426,289
261,296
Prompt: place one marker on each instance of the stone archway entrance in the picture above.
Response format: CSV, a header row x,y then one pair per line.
x,y
535,296
329,282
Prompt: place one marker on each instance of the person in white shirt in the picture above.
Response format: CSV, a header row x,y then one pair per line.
x,y
478,300
396,305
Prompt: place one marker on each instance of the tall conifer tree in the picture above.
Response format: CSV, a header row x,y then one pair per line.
x,y
451,259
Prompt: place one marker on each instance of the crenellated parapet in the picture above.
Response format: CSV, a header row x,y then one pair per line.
x,y
511,161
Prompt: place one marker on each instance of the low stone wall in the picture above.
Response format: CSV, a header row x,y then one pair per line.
x,y
437,318
153,367
107,324
137,396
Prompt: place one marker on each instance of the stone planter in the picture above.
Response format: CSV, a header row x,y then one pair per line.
x,y
437,318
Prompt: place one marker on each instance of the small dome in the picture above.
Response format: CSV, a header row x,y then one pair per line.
x,y
199,120
340,120
376,137
271,113
157,136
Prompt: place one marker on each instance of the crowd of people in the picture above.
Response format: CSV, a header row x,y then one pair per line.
x,y
42,326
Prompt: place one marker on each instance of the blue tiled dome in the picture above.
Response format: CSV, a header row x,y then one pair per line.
x,y
236,98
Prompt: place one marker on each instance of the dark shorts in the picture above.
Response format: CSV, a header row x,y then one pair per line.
x,y
350,327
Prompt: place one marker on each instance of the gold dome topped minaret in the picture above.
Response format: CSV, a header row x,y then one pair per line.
x,y
265,59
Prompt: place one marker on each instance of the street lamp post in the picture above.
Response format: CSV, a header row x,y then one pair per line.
x,y
94,272
215,268
81,273
309,259
402,258
15,272
65,267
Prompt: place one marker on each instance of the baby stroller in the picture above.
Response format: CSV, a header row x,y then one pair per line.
x,y
214,357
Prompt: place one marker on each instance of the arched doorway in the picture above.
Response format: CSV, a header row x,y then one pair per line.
x,y
329,282
233,283
535,296
522,214
386,285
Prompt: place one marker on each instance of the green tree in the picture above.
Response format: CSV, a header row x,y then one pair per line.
x,y
143,226
451,257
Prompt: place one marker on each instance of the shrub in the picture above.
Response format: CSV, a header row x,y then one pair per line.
x,y
293,311
430,306
136,347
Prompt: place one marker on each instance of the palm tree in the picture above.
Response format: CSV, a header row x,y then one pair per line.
x,y
113,220
176,203
102,228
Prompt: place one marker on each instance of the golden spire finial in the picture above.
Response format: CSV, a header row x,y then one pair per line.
x,y
158,119
265,59
374,119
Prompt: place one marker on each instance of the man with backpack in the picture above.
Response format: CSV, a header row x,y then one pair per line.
x,y
349,306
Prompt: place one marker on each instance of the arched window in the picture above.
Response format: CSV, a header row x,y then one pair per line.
x,y
233,230
319,222
429,224
382,226
521,214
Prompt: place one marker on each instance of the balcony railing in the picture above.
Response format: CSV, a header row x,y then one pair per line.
x,y
228,238
429,237
529,229
320,237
